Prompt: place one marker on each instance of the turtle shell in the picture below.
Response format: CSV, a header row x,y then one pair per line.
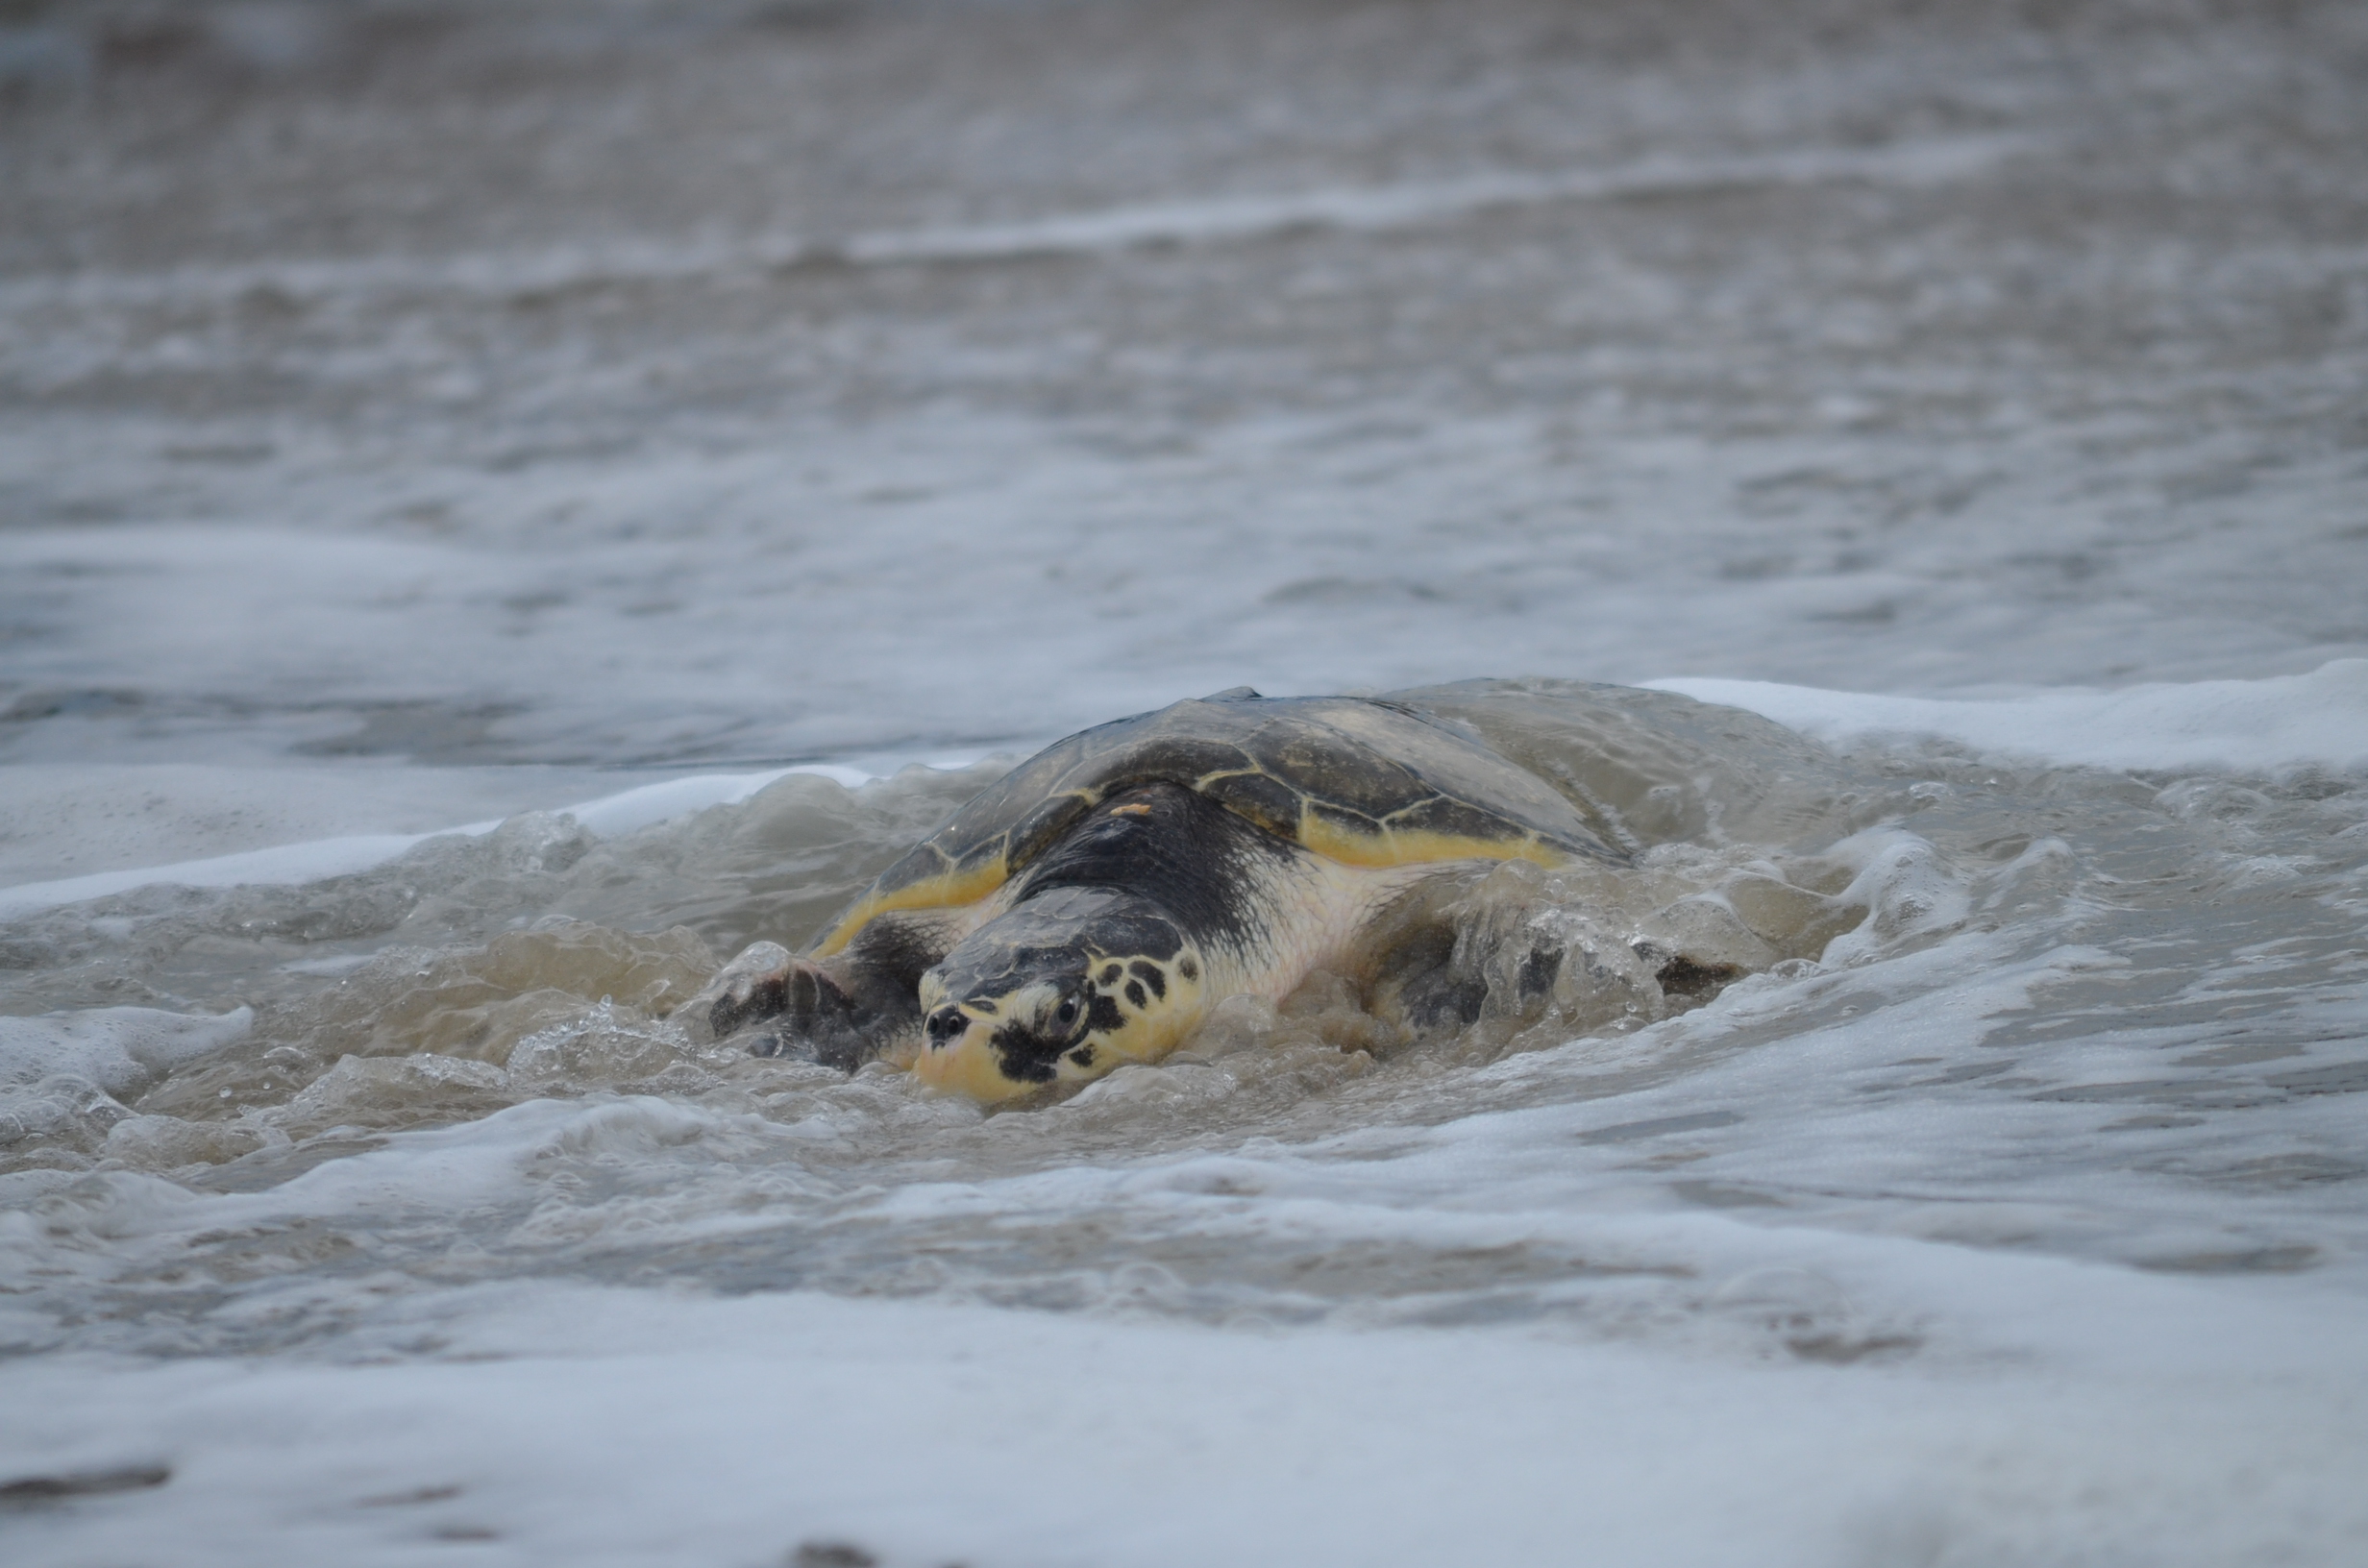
x,y
1364,781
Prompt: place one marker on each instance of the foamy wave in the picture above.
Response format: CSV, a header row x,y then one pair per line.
x,y
1203,221
294,863
2284,721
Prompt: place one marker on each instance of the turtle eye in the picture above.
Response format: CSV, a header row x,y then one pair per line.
x,y
1067,1013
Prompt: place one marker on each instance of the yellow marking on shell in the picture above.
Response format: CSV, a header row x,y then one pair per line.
x,y
1206,785
950,889
1417,846
1138,809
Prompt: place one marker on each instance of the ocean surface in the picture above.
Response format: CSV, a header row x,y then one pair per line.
x,y
503,504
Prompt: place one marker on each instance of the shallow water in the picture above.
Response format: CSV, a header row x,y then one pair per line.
x,y
697,446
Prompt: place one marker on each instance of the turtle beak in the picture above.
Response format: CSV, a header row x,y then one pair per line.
x,y
956,1055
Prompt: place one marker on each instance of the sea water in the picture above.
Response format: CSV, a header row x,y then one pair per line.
x,y
505,504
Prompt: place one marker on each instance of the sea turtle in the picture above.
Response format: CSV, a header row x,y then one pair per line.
x,y
1089,908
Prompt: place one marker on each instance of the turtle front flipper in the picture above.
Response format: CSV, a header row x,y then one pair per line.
x,y
856,1005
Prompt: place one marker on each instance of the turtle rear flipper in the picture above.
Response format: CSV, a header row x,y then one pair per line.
x,y
1490,948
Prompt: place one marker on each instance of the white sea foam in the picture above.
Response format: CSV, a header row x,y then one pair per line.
x,y
2284,722
908,1432
2026,1407
118,1048
294,863
2245,725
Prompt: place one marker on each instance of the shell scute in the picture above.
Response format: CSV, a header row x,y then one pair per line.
x,y
1447,817
1039,828
1348,836
923,862
1260,798
1342,775
1182,759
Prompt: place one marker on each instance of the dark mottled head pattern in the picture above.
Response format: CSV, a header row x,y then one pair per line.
x,y
1033,980
1100,958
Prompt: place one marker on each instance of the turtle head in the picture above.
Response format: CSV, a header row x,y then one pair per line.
x,y
1066,986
